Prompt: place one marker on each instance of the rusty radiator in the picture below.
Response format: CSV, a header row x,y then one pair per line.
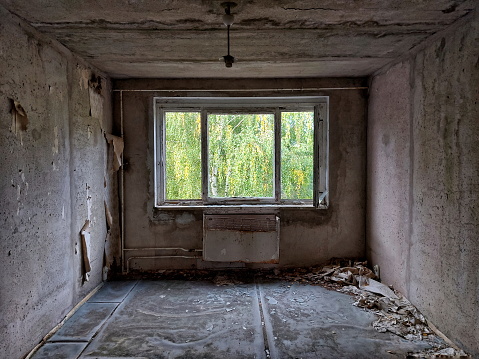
x,y
241,238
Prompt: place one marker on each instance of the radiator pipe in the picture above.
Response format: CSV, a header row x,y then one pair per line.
x,y
155,257
164,249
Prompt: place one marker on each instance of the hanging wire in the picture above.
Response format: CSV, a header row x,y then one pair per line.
x,y
228,20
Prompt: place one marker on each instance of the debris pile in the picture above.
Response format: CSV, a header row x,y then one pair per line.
x,y
338,273
446,353
395,313
222,280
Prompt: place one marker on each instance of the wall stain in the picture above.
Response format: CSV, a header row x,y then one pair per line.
x,y
440,50
36,134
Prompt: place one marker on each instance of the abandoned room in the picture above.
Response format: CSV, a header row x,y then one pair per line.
x,y
247,179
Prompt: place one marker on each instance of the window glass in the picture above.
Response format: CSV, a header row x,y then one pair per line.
x,y
240,155
297,145
213,151
183,155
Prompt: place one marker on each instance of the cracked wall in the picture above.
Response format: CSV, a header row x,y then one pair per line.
x,y
52,180
184,39
423,180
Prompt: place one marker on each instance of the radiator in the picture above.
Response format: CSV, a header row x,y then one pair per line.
x,y
241,238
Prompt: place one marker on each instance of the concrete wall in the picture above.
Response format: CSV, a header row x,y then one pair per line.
x,y
423,180
48,170
308,236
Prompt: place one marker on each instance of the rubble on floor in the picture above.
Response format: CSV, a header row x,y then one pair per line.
x,y
222,279
395,313
446,353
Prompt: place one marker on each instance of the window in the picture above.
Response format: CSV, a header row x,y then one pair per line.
x,y
241,151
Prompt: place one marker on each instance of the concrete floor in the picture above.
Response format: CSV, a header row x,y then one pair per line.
x,y
198,319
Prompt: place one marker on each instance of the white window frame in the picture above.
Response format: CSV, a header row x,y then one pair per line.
x,y
276,105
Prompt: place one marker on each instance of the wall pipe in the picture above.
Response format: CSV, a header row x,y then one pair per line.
x,y
122,205
251,90
163,248
155,257
122,189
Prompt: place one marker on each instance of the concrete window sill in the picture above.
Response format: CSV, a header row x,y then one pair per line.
x,y
250,208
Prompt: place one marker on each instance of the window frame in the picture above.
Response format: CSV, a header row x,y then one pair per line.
x,y
276,105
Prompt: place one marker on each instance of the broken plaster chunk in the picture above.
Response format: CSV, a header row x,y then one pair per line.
x,y
85,241
96,106
84,75
109,217
375,287
105,273
108,253
118,147
95,83
19,117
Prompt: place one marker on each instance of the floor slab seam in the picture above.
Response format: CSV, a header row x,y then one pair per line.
x,y
115,301
107,319
68,341
131,290
67,337
266,325
59,350
99,329
54,330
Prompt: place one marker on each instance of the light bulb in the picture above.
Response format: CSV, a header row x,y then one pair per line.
x,y
228,19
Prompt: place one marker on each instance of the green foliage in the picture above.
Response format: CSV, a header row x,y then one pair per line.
x,y
297,146
240,155
183,155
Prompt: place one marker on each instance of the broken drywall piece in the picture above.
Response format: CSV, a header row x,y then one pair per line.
x,y
85,243
118,146
19,117
373,286
109,217
96,106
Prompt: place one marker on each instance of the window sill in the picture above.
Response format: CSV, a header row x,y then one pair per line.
x,y
239,208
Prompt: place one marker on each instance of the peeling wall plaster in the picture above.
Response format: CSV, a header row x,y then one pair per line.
x,y
47,161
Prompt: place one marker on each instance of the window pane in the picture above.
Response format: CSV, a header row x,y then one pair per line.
x,y
240,155
297,135
183,155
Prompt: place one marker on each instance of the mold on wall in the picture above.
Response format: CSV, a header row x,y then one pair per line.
x,y
423,220
52,178
308,236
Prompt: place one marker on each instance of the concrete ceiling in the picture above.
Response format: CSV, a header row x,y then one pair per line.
x,y
270,38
